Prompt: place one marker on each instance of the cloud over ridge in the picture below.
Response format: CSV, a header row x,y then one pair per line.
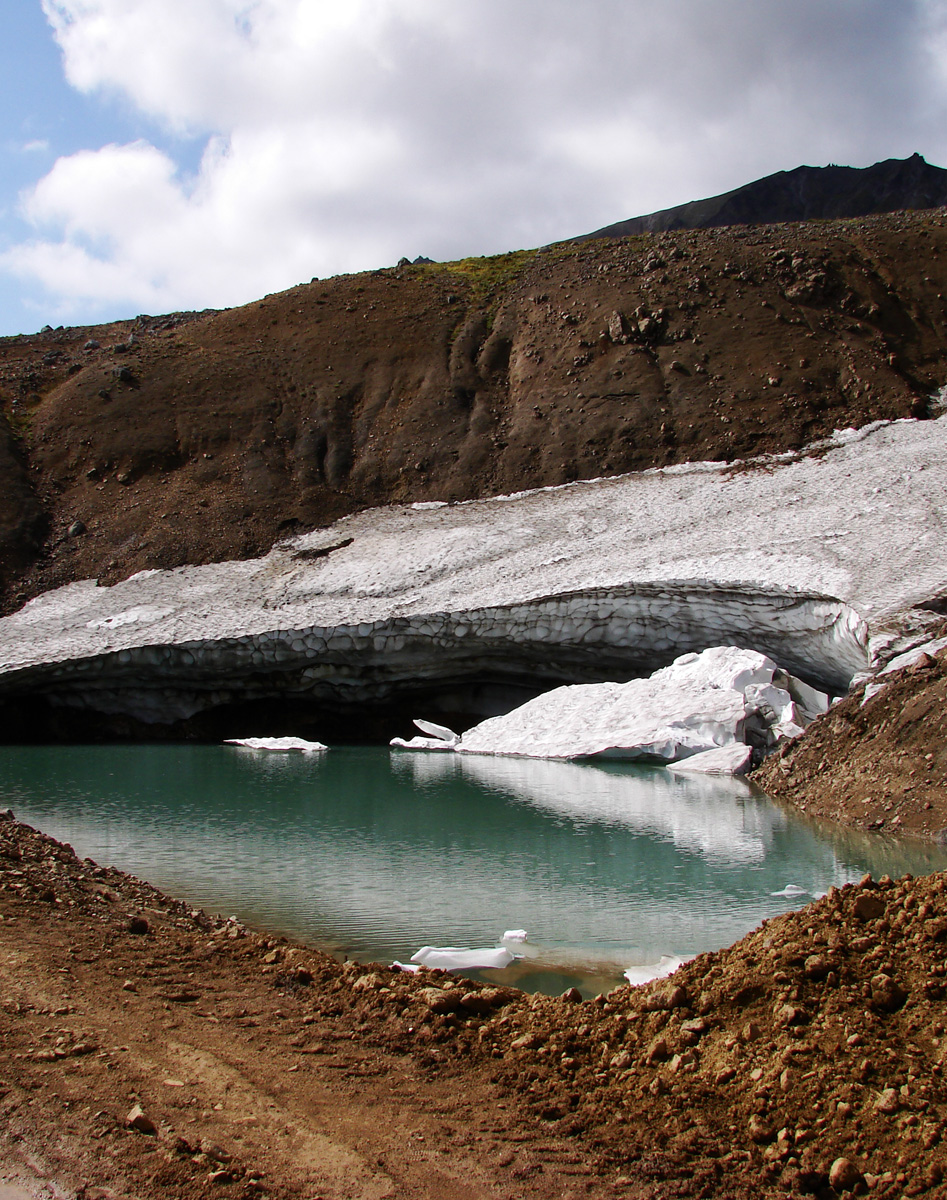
x,y
338,137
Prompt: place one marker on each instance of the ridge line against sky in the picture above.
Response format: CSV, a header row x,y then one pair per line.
x,y
169,154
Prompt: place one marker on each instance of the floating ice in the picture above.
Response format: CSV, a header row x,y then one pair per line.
x,y
514,935
421,743
441,732
280,743
453,958
666,965
701,702
406,968
790,890
727,760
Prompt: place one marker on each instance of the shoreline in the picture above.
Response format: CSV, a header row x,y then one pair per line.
x,y
819,1036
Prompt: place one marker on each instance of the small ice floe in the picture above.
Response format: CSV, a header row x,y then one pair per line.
x,y
666,965
514,935
453,958
791,890
439,737
280,743
440,732
406,968
735,759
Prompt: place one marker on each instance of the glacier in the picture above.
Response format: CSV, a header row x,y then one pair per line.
x,y
828,563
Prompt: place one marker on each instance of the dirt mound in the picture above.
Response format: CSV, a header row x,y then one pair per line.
x,y
150,1049
203,437
878,764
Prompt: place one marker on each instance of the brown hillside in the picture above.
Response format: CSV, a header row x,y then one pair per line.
x,y
879,764
206,436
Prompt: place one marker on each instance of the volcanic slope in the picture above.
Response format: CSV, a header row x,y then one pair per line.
x,y
804,194
205,437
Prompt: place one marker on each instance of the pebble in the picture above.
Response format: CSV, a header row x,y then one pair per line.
x,y
760,1129
869,907
844,1175
888,1102
886,994
138,1119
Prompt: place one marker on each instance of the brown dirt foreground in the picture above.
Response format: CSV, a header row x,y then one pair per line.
x,y
153,1051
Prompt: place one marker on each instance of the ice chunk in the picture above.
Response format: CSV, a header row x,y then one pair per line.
x,y
514,935
406,968
701,702
441,732
791,890
666,965
727,760
453,958
280,743
420,743
909,657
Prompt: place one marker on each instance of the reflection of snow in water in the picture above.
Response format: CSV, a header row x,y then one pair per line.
x,y
719,819
606,867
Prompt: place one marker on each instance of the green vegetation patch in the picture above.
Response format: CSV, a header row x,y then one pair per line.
x,y
487,277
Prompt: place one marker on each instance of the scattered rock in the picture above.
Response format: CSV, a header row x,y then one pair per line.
x,y
886,994
138,1119
869,907
888,1102
844,1175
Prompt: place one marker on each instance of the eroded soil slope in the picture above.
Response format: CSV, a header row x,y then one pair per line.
x,y
878,764
203,437
147,1050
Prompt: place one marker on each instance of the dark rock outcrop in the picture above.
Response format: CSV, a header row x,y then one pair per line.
x,y
804,194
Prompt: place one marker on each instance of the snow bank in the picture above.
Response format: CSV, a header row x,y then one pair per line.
x,y
721,701
823,563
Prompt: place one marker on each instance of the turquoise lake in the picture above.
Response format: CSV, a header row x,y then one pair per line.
x,y
373,854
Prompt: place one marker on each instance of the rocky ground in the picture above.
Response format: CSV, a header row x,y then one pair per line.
x,y
153,1051
878,763
202,437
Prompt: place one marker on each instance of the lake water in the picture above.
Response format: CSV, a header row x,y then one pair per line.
x,y
374,854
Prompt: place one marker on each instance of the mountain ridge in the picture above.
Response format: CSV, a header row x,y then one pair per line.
x,y
802,194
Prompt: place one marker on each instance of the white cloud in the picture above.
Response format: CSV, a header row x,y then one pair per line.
x,y
340,136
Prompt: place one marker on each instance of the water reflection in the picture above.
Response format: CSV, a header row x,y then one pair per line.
x,y
606,866
721,819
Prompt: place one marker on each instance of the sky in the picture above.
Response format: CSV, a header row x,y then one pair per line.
x,y
158,155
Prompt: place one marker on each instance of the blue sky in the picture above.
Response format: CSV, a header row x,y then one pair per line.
x,y
165,154
41,119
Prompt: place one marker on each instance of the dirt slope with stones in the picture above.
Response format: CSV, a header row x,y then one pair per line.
x,y
153,1051
878,764
203,437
